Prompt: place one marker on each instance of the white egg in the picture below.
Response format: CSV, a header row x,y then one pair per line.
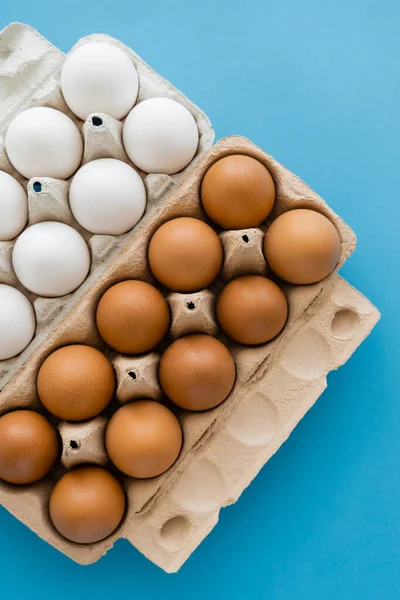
x,y
13,207
43,142
51,259
160,136
107,196
17,322
99,77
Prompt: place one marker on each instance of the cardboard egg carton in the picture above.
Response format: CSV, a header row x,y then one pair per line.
x,y
224,448
30,76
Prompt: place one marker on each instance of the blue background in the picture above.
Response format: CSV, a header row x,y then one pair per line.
x,y
316,83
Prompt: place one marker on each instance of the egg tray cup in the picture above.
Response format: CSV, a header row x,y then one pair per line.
x,y
224,448
30,76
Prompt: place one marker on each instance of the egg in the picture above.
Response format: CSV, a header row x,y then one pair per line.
x,y
160,136
13,207
17,322
43,142
132,317
197,372
237,192
185,254
107,196
76,382
302,246
87,504
252,310
29,447
143,439
99,77
51,259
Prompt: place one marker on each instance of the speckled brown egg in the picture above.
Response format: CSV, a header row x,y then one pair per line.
x,y
87,505
185,254
237,192
302,246
76,382
197,372
252,310
29,447
143,439
132,317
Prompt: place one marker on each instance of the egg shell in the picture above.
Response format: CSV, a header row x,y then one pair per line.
x,y
185,254
107,196
252,310
99,77
132,317
17,322
197,372
13,207
302,246
51,259
76,382
87,505
44,142
143,439
237,192
160,136
29,447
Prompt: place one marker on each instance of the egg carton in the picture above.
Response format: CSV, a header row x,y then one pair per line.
x,y
30,76
224,448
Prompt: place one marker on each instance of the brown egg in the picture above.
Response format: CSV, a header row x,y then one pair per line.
x,y
76,382
133,317
252,310
302,246
29,447
185,254
238,192
87,505
197,372
143,439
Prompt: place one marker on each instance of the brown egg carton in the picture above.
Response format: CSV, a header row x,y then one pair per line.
x,y
224,448
30,76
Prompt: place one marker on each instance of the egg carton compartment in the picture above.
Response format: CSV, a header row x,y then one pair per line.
x,y
192,313
137,377
83,443
225,447
29,76
243,253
